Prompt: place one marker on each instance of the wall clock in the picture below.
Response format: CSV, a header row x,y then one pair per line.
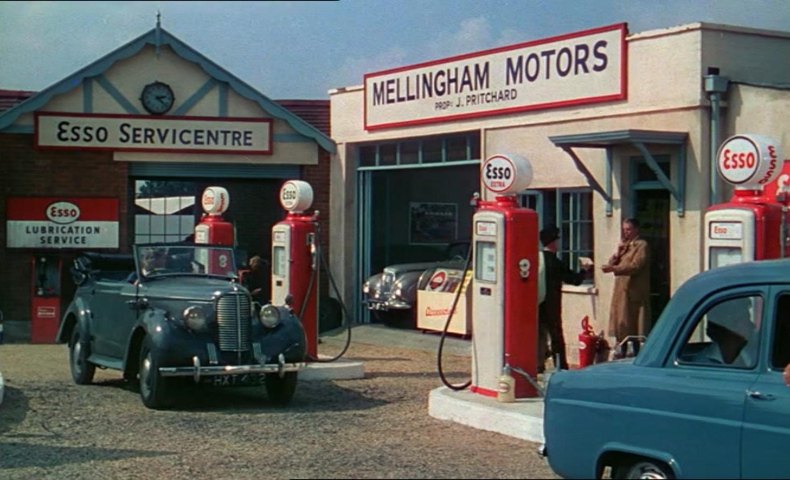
x,y
157,98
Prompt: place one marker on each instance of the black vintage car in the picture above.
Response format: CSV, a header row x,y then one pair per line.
x,y
176,312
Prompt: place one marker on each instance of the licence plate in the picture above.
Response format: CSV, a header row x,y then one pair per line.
x,y
246,379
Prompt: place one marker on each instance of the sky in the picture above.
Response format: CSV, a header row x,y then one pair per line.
x,y
304,49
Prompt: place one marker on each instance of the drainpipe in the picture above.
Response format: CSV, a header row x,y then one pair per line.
x,y
715,87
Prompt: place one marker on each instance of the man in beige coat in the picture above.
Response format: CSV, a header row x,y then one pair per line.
x,y
630,264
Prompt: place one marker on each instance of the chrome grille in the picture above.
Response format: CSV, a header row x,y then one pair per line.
x,y
386,284
233,322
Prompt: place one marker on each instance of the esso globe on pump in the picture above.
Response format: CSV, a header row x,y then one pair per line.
x,y
213,229
506,174
749,161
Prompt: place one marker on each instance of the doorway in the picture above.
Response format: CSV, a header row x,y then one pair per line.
x,y
652,210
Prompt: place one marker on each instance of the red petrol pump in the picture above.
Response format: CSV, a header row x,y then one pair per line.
x,y
45,299
295,259
505,283
213,229
752,225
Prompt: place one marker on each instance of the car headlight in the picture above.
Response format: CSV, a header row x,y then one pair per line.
x,y
397,292
366,288
195,318
271,315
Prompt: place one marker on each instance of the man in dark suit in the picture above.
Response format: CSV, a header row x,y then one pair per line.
x,y
550,310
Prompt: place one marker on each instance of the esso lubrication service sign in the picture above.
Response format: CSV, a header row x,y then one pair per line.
x,y
504,174
215,200
749,160
296,196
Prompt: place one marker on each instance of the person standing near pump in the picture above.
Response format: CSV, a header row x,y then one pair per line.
x,y
555,273
630,263
258,280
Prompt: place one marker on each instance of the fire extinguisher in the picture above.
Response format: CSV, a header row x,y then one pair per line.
x,y
588,344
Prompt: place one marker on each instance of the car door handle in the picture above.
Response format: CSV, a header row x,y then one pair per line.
x,y
759,395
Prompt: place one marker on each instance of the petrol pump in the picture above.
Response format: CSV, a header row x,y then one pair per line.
x,y
505,283
213,229
45,299
295,259
752,225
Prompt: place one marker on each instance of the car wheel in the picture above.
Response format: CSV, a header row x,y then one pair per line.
x,y
81,369
153,387
281,389
643,469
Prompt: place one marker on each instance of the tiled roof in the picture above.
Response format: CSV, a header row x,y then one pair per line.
x,y
9,98
314,112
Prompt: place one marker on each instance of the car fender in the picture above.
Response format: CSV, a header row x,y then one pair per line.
x,y
610,449
77,314
151,322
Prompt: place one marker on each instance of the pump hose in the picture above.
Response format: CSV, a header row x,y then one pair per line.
x,y
310,286
447,325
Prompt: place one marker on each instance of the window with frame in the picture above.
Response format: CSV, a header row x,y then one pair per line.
x,y
164,211
727,334
570,210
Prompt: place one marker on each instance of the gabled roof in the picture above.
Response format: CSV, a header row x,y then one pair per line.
x,y
159,37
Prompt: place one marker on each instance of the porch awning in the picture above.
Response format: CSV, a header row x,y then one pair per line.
x,y
641,140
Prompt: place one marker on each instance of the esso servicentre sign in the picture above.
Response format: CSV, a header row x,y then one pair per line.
x,y
750,161
506,174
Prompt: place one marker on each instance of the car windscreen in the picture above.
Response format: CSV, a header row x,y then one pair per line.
x,y
165,260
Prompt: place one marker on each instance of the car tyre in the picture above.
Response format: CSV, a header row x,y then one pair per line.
x,y
281,389
82,370
645,469
153,387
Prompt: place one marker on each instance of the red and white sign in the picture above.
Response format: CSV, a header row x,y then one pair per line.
x,y
574,69
248,136
215,200
296,196
506,173
437,280
749,161
61,222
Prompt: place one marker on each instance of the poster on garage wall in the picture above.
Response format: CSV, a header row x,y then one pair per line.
x,y
432,223
58,223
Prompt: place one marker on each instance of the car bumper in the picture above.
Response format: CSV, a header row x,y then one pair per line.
x,y
388,305
198,371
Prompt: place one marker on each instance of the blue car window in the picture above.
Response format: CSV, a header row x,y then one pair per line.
x,y
727,334
780,352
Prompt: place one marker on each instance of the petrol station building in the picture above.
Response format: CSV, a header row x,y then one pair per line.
x,y
615,124
121,151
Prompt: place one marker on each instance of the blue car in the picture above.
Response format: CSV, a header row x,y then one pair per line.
x,y
172,313
704,397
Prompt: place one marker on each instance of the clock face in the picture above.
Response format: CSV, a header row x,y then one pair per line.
x,y
157,98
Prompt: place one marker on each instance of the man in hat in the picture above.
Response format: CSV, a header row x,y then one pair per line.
x,y
550,309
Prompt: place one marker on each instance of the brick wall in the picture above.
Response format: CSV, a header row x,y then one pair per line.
x,y
25,171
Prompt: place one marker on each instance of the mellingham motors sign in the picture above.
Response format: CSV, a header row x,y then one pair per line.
x,y
578,68
249,136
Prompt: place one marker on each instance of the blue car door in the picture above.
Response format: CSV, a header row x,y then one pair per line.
x,y
766,422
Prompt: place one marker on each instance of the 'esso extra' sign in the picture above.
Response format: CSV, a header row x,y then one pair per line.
x,y
296,196
215,200
506,173
749,160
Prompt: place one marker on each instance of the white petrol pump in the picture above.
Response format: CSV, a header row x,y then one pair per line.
x,y
505,282
295,259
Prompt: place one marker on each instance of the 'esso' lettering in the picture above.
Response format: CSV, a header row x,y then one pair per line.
x,y
63,212
498,172
738,160
81,133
